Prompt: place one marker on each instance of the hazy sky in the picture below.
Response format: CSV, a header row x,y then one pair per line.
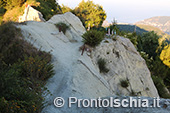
x,y
128,11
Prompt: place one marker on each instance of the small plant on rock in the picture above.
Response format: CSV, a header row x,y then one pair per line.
x,y
93,37
62,27
102,65
124,83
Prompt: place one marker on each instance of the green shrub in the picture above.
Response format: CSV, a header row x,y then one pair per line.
x,y
48,8
93,37
37,68
149,43
124,83
10,43
19,94
133,93
62,27
102,66
133,38
23,71
162,90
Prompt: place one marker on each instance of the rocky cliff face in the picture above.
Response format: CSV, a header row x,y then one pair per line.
x,y
125,63
78,75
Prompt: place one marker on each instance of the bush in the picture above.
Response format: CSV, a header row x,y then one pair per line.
x,y
23,71
10,43
13,14
48,8
102,66
37,68
124,83
93,37
149,43
62,27
133,38
17,93
162,90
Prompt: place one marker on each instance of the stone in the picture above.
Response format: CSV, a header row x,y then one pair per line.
x,y
31,14
124,62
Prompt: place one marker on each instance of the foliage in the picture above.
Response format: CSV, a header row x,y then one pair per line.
x,y
164,52
65,9
124,83
23,71
149,60
149,42
9,4
91,14
48,8
131,28
162,90
159,71
133,38
93,37
113,27
151,28
62,27
17,95
2,11
37,67
102,65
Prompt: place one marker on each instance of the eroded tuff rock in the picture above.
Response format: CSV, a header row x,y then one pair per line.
x,y
31,14
125,63
79,76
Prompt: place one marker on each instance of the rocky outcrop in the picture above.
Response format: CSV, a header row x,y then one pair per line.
x,y
31,14
78,75
125,63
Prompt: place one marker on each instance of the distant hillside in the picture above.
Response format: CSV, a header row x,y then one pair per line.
x,y
161,22
151,28
131,28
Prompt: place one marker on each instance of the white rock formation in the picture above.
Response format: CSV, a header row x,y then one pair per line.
x,y
79,76
125,63
31,14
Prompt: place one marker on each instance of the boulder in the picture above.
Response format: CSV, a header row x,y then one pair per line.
x,y
76,27
125,63
31,14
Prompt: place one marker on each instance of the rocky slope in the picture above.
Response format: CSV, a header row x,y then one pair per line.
x,y
78,75
161,22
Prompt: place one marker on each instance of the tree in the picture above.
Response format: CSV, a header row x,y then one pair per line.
x,y
149,43
9,4
92,15
65,9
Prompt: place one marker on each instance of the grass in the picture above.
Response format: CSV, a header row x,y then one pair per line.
x,y
62,27
124,83
102,65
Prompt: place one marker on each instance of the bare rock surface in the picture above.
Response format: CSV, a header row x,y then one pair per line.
x,y
78,75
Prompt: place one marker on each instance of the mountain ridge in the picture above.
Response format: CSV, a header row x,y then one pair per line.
x,y
161,22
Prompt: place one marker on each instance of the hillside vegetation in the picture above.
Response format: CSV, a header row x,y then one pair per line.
x,y
91,14
23,72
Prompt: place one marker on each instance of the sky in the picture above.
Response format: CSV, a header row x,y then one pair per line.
x,y
128,11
